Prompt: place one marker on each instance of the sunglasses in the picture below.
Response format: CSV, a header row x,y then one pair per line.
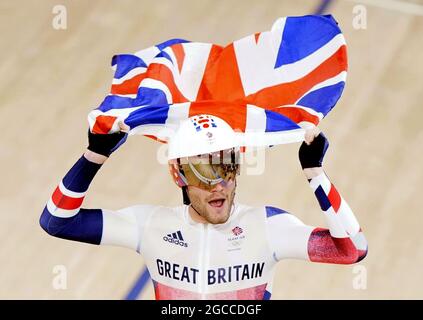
x,y
207,170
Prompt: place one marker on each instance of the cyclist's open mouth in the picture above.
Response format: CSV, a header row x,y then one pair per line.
x,y
217,203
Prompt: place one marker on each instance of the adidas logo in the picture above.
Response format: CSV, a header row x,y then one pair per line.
x,y
176,238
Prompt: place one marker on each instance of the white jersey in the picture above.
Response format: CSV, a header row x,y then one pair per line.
x,y
190,260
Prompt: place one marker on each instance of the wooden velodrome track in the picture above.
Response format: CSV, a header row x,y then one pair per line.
x,y
51,79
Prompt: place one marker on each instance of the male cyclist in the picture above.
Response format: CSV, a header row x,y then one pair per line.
x,y
211,247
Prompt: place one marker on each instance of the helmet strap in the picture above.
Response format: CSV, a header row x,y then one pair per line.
x,y
185,197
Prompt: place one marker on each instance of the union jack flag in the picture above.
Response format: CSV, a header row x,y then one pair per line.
x,y
268,86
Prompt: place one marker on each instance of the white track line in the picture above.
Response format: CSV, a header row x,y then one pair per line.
x,y
395,5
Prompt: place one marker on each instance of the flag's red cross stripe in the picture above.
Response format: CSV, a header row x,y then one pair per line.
x,y
162,73
103,124
129,86
224,110
65,202
334,198
179,52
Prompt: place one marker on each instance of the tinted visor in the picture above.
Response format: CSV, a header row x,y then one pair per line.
x,y
205,171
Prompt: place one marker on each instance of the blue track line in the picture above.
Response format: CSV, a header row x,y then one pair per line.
x,y
139,285
323,6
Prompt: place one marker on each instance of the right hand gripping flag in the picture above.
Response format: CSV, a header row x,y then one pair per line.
x,y
268,86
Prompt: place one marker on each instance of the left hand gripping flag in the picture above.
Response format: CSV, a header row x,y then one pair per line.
x,y
269,86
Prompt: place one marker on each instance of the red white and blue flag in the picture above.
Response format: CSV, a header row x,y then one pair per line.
x,y
268,86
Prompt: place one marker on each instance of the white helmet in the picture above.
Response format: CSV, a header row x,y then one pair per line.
x,y
201,134
194,149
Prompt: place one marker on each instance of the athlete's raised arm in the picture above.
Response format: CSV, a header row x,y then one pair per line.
x,y
342,242
63,216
